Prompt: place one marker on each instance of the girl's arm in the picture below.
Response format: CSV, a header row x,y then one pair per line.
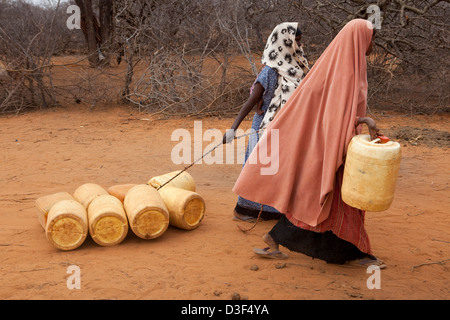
x,y
254,98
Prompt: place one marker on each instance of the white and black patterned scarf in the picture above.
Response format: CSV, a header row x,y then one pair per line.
x,y
284,56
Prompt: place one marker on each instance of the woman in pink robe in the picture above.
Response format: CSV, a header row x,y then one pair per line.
x,y
306,144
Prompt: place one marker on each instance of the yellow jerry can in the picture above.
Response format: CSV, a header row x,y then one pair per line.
x,y
370,173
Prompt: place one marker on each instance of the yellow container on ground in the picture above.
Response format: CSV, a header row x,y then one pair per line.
x,y
108,224
186,208
147,214
67,225
183,181
119,191
45,203
370,173
87,192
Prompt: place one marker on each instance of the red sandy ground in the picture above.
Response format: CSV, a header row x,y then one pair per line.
x,y
58,150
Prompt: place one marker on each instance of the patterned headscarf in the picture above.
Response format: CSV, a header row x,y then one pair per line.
x,y
284,56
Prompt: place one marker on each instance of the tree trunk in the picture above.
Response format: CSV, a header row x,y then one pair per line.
x,y
106,29
88,27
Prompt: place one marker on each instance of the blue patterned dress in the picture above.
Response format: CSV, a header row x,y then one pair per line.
x,y
268,78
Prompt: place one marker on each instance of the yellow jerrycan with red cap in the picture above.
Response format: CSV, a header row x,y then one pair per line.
x,y
370,173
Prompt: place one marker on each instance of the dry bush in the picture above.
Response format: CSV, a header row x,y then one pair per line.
x,y
188,51
200,57
25,48
33,40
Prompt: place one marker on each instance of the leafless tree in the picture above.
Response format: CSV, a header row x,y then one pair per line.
x,y
98,29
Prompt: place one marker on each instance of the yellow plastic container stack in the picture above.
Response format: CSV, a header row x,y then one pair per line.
x,y
370,173
106,214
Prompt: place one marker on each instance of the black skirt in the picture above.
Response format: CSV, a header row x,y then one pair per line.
x,y
325,246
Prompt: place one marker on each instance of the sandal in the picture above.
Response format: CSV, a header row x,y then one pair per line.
x,y
265,253
368,261
243,218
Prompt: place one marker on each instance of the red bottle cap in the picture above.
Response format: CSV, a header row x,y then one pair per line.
x,y
383,139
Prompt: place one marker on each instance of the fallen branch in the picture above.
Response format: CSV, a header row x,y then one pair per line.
x,y
434,239
33,270
10,244
429,263
414,215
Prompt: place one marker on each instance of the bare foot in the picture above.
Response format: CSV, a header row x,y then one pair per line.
x,y
270,242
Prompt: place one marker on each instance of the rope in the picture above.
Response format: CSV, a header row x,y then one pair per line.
x,y
257,220
204,155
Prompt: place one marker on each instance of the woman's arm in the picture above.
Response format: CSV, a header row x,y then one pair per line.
x,y
254,98
373,130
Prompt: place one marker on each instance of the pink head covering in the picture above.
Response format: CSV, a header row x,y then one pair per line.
x,y
313,129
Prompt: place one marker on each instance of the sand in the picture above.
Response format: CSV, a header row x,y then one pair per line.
x,y
57,150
